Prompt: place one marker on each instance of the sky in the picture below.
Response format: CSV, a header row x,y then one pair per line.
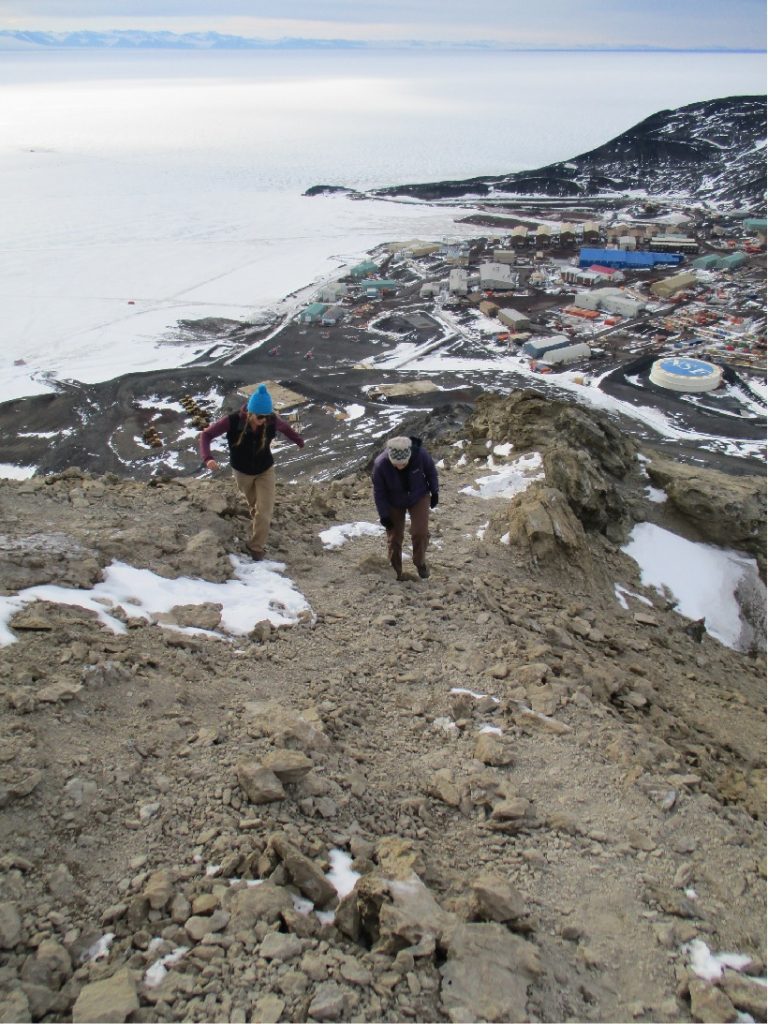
x,y
739,24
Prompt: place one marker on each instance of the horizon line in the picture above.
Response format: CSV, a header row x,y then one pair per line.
x,y
307,42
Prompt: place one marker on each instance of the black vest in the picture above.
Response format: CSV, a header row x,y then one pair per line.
x,y
249,451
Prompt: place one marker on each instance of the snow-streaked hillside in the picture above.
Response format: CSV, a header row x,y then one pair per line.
x,y
712,151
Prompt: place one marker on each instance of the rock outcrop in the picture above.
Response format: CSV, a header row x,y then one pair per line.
x,y
727,510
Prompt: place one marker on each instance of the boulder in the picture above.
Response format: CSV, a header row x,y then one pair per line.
x,y
265,902
709,1004
10,925
159,889
14,1007
109,1002
303,872
746,993
288,729
494,899
260,785
393,913
542,526
197,616
494,750
288,765
487,973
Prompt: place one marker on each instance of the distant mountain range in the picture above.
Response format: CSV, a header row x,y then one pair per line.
x,y
714,151
138,40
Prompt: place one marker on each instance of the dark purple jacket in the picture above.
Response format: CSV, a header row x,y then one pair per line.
x,y
402,488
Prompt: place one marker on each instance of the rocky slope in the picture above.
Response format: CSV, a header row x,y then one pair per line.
x,y
712,151
556,867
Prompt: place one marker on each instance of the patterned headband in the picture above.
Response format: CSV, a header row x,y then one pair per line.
x,y
399,454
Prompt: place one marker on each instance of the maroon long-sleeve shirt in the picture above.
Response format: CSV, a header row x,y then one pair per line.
x,y
249,452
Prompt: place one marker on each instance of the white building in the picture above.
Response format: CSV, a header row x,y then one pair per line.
x,y
497,276
458,282
332,292
590,276
574,275
514,318
567,354
608,275
611,300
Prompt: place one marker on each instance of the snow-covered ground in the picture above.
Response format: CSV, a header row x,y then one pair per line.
x,y
259,591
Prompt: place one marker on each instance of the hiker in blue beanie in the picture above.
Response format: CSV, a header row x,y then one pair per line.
x,y
250,433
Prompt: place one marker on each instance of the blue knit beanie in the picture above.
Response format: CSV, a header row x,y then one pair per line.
x,y
260,401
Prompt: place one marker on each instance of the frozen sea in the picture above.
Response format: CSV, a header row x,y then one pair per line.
x,y
142,188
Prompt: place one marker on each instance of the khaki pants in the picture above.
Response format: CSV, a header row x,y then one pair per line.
x,y
419,514
259,492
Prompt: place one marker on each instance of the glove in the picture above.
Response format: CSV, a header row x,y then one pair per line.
x,y
386,522
433,500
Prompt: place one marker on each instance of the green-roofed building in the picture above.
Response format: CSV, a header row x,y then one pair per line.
x,y
313,313
380,285
363,269
710,262
734,260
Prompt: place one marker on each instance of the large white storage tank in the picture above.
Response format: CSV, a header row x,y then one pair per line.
x,y
679,373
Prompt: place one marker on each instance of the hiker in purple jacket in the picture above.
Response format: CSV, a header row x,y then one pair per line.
x,y
250,432
405,480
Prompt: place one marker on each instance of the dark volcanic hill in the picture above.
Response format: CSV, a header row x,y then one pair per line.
x,y
712,151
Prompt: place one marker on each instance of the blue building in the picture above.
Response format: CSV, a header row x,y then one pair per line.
x,y
620,259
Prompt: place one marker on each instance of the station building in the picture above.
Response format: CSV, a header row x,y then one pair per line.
x,y
313,313
567,354
612,300
536,348
622,259
497,276
364,269
514,318
670,286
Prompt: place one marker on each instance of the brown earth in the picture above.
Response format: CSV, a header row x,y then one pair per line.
x,y
551,871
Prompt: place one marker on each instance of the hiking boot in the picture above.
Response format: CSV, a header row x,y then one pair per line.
x,y
423,571
257,554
